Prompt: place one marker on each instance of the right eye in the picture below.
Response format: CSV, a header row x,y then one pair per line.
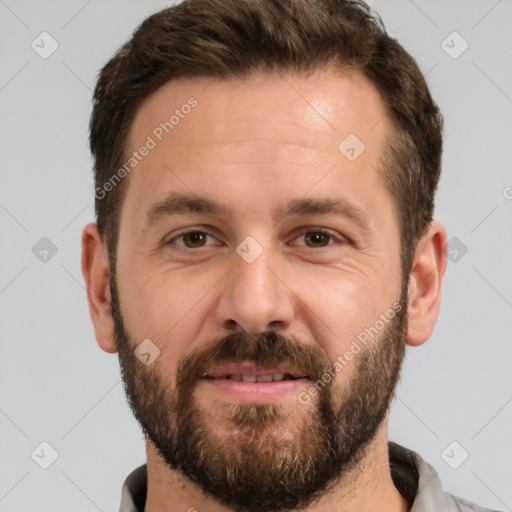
x,y
191,239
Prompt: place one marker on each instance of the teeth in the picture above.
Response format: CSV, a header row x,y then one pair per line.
x,y
264,378
276,377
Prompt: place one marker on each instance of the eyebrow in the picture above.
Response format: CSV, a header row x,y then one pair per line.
x,y
182,204
338,205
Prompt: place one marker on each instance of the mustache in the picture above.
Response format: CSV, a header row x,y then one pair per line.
x,y
265,349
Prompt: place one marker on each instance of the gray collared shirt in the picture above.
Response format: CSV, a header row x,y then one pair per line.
x,y
416,480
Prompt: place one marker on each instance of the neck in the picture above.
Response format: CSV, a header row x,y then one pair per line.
x,y
367,487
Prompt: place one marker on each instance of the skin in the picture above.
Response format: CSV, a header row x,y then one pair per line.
x,y
253,145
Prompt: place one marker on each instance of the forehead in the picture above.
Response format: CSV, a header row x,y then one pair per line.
x,y
263,135
320,107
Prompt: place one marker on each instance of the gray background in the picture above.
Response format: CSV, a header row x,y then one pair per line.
x,y
57,386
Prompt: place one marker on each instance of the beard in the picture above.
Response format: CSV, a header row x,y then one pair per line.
x,y
264,457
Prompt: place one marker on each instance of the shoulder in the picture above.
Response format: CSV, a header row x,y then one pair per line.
x,y
420,484
465,505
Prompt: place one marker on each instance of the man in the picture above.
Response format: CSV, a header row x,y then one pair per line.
x,y
264,250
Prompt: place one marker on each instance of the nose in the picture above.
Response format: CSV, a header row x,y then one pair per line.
x,y
255,296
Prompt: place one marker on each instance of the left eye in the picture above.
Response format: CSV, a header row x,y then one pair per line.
x,y
316,238
192,239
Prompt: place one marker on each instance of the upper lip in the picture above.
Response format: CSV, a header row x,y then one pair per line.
x,y
251,369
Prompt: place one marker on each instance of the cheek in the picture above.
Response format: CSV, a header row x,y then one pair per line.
x,y
336,308
166,307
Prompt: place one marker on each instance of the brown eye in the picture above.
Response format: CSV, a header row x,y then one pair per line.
x,y
195,239
191,239
317,238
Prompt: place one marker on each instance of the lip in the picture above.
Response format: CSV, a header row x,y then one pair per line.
x,y
256,392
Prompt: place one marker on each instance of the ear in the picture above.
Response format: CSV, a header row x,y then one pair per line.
x,y
428,268
96,272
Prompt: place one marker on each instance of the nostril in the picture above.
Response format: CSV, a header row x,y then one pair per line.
x,y
230,324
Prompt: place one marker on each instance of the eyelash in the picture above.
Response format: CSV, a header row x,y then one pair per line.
x,y
305,232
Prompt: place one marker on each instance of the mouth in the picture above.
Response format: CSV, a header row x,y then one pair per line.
x,y
249,383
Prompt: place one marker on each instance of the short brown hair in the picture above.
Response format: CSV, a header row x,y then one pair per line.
x,y
234,38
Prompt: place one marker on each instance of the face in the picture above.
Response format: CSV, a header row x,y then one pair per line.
x,y
255,256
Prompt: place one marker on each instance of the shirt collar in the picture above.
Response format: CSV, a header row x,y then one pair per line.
x,y
417,481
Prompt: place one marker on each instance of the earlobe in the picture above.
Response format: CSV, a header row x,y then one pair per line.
x,y
430,260
96,272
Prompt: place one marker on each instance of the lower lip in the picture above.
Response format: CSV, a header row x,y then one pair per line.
x,y
257,392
